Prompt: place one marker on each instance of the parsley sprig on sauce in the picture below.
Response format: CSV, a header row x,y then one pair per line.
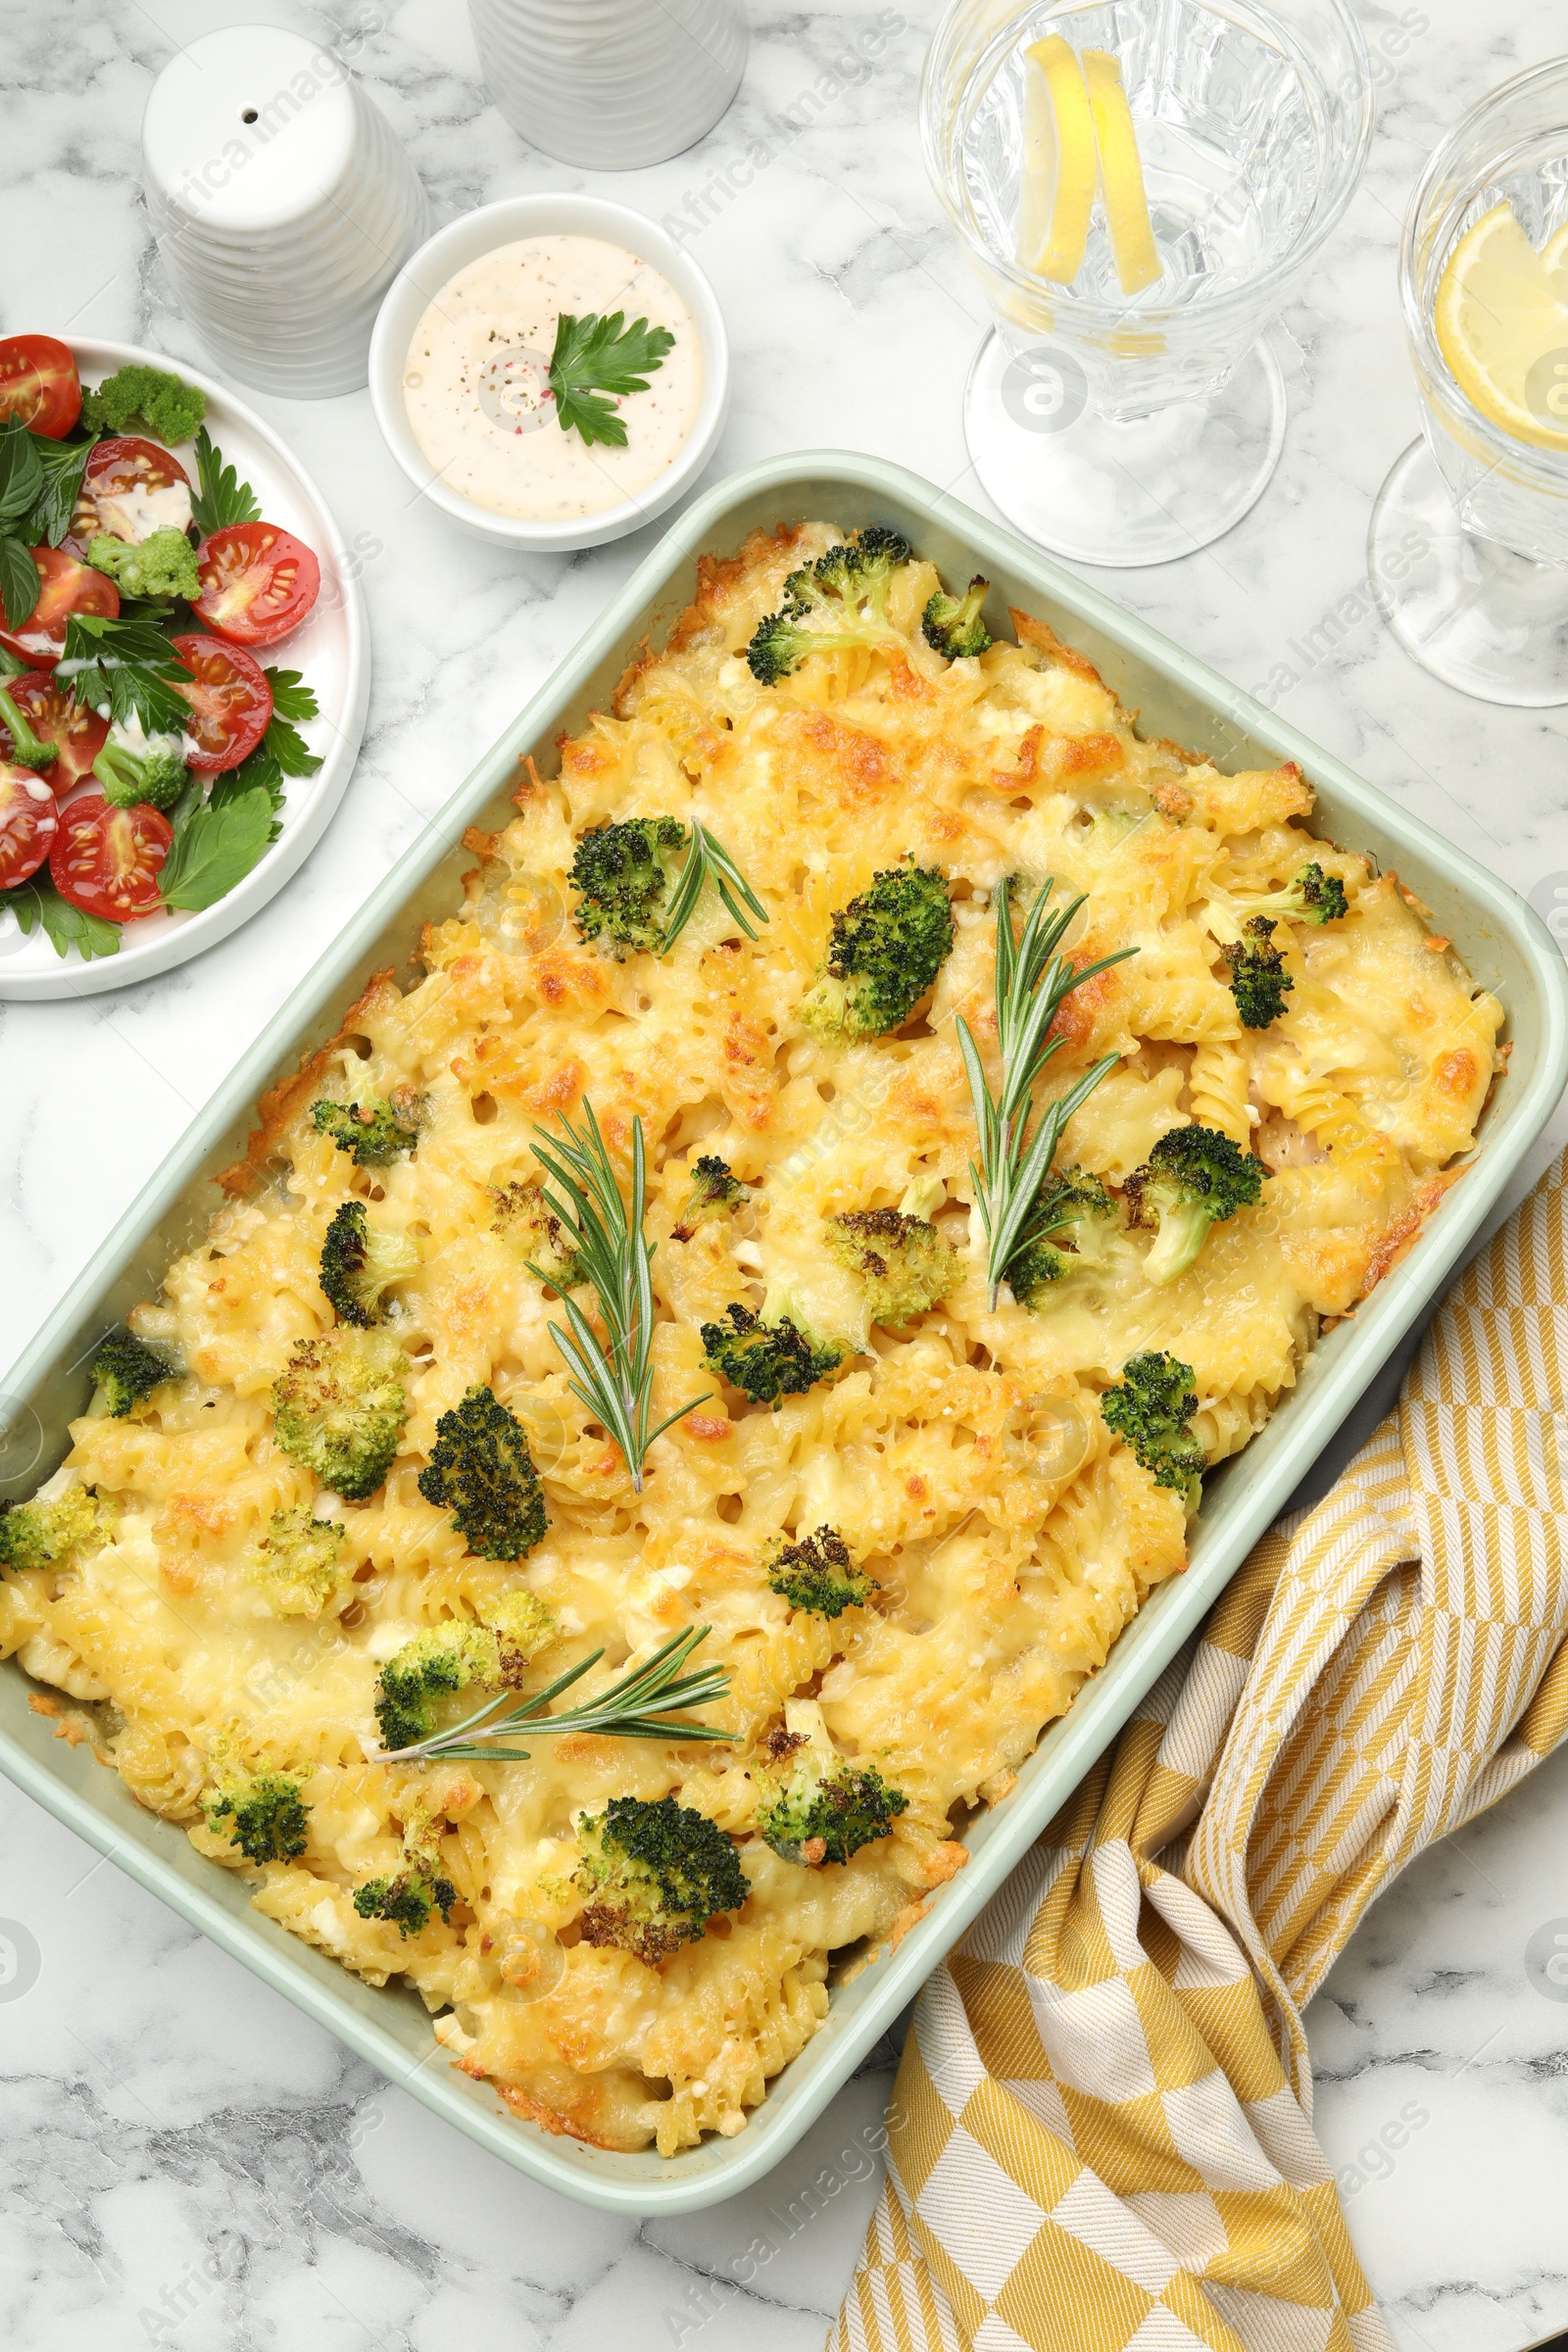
x,y
596,357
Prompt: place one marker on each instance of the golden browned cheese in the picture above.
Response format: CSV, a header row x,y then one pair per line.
x,y
961,1458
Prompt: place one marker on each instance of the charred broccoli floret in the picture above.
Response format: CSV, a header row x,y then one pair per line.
x,y
481,1470
447,1659
1259,982
817,1573
297,1561
831,606
1194,1178
360,1262
34,1534
716,1189
155,776
168,407
339,1406
525,1217
1150,1410
767,1361
886,949
905,1263
264,1817
654,1873
407,1900
159,567
952,623
1066,1203
1313,897
817,1811
625,873
123,1371
373,1133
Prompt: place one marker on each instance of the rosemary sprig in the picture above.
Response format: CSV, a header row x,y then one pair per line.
x,y
1033,979
634,1708
615,1383
708,861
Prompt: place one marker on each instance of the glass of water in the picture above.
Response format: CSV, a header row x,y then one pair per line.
x,y
1128,429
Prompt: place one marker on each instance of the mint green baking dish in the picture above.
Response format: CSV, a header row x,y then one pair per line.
x,y
1504,945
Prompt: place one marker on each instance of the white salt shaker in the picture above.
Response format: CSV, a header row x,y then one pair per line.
x,y
283,206
610,84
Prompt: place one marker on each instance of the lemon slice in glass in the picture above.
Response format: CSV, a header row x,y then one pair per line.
x,y
1121,173
1501,321
1057,194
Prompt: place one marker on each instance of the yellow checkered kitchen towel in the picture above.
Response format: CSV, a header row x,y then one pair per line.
x,y
1101,2136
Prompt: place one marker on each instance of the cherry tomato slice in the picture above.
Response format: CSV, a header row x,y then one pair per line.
x,y
39,384
130,489
65,587
258,582
77,734
230,701
29,820
107,861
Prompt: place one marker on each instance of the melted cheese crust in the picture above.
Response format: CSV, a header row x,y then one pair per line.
x,y
962,1459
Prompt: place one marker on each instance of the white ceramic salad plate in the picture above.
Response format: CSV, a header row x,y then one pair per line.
x,y
332,651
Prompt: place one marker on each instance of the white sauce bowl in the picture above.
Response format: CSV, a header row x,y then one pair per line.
x,y
466,241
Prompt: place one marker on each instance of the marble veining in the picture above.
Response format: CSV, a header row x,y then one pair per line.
x,y
186,2160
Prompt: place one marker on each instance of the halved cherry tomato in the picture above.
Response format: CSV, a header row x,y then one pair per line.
x,y
230,701
107,861
29,820
39,384
130,489
65,587
77,734
258,582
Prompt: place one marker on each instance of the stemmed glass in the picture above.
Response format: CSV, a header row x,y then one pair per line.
x,y
1130,429
1468,548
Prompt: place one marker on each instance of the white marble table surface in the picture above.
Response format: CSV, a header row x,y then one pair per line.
x,y
184,2159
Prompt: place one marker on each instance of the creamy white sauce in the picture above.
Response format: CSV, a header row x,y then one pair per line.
x,y
475,380
137,511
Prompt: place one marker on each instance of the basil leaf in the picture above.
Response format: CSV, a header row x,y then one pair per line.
x,y
21,472
20,583
215,848
65,926
219,497
63,464
291,697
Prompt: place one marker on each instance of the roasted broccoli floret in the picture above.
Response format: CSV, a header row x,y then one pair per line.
x,y
373,1133
816,1812
905,1263
1194,1178
654,1873
264,1817
952,623
339,1407
767,1361
1066,1203
816,1573
845,592
27,749
525,1217
298,1560
886,949
625,873
1313,897
407,1900
34,1534
716,1189
358,1262
1149,1411
170,409
449,1657
159,567
123,1371
1259,982
480,1469
156,776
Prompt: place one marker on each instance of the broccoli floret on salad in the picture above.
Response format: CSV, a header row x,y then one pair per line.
x,y
1151,1410
654,1873
952,623
339,1407
360,1263
158,569
886,949
27,749
155,775
170,409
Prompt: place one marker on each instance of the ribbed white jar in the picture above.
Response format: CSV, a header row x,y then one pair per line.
x,y
611,84
283,205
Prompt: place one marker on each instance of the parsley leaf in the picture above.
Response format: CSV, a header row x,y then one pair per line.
x,y
291,697
63,464
65,926
128,667
594,356
219,497
283,751
215,846
20,583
